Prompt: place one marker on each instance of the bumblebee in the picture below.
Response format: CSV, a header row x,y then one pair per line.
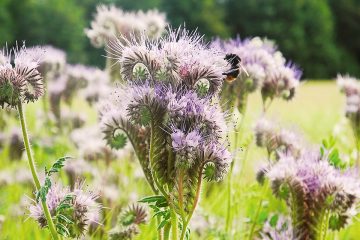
x,y
234,60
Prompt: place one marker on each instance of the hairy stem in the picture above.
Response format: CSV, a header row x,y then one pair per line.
x,y
196,200
166,232
33,171
174,224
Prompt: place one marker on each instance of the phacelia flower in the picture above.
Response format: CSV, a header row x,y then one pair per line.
x,y
348,85
268,135
20,80
315,192
52,61
110,22
178,58
79,206
265,68
168,110
128,222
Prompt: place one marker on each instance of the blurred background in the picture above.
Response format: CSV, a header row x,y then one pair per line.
x,y
321,36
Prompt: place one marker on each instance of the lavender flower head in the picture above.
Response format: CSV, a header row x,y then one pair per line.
x,y
97,86
20,81
78,206
275,140
168,112
266,68
315,192
52,62
78,77
110,22
350,86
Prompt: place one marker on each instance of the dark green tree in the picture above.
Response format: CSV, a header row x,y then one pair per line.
x,y
303,29
205,15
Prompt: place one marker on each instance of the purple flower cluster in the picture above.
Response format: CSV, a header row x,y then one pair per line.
x,y
20,80
83,211
265,68
52,61
110,22
350,86
268,135
315,192
169,111
179,59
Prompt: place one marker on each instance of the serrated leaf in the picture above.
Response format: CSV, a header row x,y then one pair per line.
x,y
56,167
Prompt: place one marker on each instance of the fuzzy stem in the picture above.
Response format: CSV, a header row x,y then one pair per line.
x,y
181,193
174,224
326,225
257,213
196,200
33,171
166,232
322,225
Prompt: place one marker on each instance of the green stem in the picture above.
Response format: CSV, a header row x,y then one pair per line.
x,y
326,224
174,224
33,171
323,225
196,200
257,213
166,232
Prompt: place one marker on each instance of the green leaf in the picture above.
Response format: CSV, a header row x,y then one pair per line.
x,y
151,199
273,220
118,141
163,223
62,230
63,218
56,167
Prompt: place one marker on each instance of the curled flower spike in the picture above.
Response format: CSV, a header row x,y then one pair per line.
x,y
20,81
128,222
281,82
266,69
52,61
178,58
73,210
350,86
317,194
110,21
170,115
276,140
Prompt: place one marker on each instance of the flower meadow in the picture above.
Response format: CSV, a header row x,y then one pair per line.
x,y
178,138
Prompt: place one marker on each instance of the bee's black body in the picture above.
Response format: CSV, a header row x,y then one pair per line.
x,y
234,71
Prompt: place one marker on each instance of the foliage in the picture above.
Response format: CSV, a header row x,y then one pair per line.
x,y
321,36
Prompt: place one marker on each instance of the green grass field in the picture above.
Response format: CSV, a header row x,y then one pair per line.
x,y
315,111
